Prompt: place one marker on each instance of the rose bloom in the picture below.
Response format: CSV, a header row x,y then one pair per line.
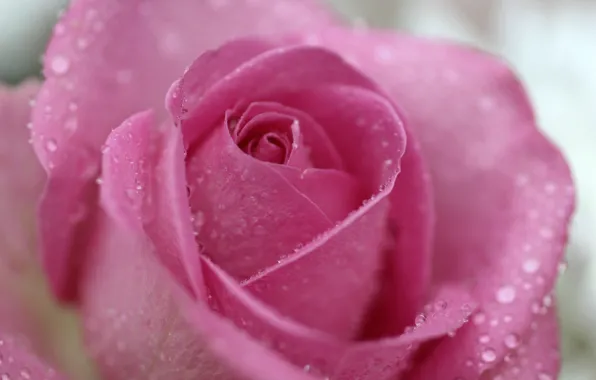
x,y
251,190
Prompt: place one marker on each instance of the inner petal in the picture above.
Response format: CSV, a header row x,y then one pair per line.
x,y
270,137
305,142
269,148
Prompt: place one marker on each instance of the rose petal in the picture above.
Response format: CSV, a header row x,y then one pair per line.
x,y
321,151
135,326
503,193
537,355
108,60
144,184
322,354
206,92
21,176
19,362
406,273
348,113
248,215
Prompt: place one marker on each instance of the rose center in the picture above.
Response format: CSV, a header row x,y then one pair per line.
x,y
268,137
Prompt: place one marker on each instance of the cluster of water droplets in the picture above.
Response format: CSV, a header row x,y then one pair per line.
x,y
12,368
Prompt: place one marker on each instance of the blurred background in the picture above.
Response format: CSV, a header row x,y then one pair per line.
x,y
550,43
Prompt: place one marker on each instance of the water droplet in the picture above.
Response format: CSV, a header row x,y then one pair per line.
x,y
488,355
562,267
82,43
60,65
59,29
51,145
511,341
545,376
484,339
420,319
25,374
479,318
4,376
531,266
547,233
506,294
384,54
99,181
440,305
71,124
547,300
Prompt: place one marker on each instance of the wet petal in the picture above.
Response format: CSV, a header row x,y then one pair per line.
x,y
322,354
108,60
503,193
144,183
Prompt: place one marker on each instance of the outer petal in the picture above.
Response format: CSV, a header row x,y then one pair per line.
x,y
134,319
110,59
342,260
21,176
354,121
535,355
145,185
31,322
19,362
324,355
503,193
21,181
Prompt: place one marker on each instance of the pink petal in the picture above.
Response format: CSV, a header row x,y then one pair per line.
x,y
322,354
503,193
318,150
21,183
406,273
17,361
135,327
108,60
535,355
144,183
248,215
210,87
21,176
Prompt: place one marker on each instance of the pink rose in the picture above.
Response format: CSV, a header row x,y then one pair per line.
x,y
312,202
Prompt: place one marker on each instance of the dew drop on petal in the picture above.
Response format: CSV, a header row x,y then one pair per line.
x,y
511,341
51,145
60,65
420,319
488,355
479,318
531,266
506,294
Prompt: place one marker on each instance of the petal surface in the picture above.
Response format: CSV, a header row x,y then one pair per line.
x,y
21,175
343,260
108,60
19,362
503,192
144,182
322,354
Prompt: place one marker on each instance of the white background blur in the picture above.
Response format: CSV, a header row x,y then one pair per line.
x,y
551,44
